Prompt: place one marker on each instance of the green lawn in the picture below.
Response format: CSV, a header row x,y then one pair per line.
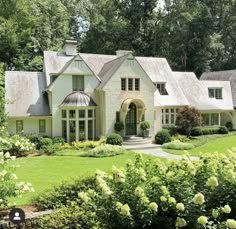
x,y
46,171
220,145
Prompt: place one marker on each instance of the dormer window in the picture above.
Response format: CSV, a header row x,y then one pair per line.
x,y
78,83
215,93
161,88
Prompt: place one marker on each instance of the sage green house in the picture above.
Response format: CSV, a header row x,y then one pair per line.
x,y
81,96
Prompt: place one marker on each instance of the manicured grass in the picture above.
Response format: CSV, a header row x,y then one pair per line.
x,y
46,171
220,145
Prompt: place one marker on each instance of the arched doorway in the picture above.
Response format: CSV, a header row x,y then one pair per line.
x,y
131,120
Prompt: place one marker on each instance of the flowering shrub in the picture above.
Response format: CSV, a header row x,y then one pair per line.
x,y
178,145
9,186
16,145
105,151
179,194
83,145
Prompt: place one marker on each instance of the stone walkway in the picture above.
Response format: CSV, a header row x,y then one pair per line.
x,y
156,150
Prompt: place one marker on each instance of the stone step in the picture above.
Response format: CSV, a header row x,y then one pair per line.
x,y
134,140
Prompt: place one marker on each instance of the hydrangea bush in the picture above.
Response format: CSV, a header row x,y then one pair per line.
x,y
16,145
9,184
179,194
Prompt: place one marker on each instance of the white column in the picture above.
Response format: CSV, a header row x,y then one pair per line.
x,y
67,126
77,125
86,124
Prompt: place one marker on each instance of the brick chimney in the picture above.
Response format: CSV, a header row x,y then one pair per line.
x,y
70,47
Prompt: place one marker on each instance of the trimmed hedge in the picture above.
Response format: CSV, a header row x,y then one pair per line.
x,y
162,137
210,130
223,130
114,139
196,131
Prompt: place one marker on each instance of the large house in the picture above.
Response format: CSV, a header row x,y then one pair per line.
x,y
81,96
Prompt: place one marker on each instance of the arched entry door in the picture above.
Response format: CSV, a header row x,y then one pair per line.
x,y
131,120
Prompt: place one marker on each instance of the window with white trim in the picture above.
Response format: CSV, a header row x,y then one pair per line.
x,y
19,126
42,126
78,83
161,88
78,124
168,116
215,93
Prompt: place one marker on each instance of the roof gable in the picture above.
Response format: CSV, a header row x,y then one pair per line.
x,y
25,92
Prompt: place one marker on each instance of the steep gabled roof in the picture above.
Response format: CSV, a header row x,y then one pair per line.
x,y
24,90
223,76
196,91
159,70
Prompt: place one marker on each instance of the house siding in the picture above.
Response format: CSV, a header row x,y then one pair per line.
x,y
63,87
31,125
114,97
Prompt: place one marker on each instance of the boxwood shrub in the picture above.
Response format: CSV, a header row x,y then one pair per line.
x,y
210,130
162,137
196,131
223,130
114,139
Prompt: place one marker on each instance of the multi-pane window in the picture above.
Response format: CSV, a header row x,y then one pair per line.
x,y
168,116
137,84
78,83
42,126
130,84
78,124
215,93
210,119
123,84
162,88
19,126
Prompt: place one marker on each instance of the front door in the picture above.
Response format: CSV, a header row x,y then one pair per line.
x,y
131,120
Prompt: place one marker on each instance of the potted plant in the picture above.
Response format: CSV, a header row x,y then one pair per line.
x,y
145,128
119,128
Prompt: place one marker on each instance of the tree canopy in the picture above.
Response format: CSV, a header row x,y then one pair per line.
x,y
194,35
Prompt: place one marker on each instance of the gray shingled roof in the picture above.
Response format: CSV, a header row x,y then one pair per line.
x,y
223,76
25,92
78,99
159,70
196,91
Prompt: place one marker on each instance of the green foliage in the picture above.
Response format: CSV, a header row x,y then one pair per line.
x,y
69,217
44,142
178,145
119,126
182,138
16,145
83,145
229,125
162,137
59,140
9,186
173,130
114,139
51,149
196,131
62,194
223,130
105,151
210,130
155,195
187,118
145,125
